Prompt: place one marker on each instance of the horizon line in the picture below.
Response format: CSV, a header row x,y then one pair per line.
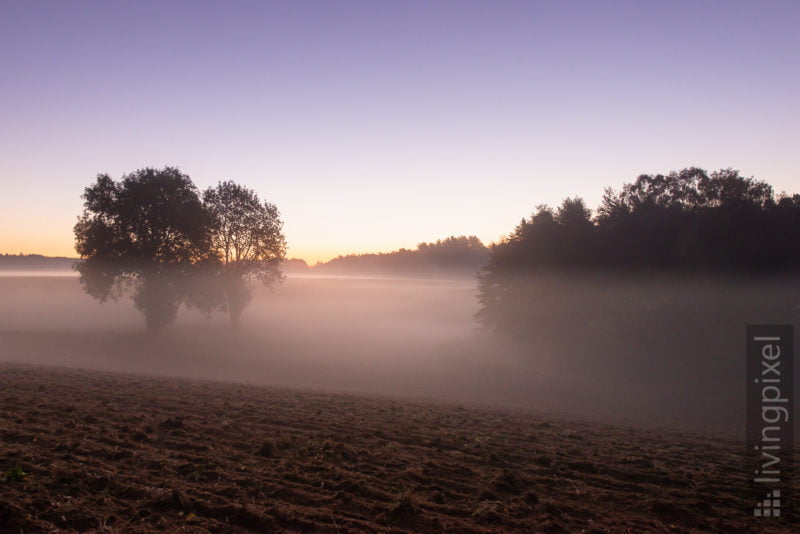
x,y
310,263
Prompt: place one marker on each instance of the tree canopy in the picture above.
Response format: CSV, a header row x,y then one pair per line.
x,y
148,230
152,232
247,237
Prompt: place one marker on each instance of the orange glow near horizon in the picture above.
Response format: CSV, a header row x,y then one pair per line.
x,y
36,244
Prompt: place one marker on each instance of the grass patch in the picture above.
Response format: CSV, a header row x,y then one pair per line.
x,y
15,474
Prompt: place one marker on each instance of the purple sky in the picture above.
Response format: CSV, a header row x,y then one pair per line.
x,y
376,125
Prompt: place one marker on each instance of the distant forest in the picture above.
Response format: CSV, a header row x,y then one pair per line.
x,y
35,262
454,256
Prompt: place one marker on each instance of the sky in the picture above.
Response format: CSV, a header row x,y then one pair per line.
x,y
378,125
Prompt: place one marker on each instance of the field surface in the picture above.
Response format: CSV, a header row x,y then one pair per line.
x,y
100,452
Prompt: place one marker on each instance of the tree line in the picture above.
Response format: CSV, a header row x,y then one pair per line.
x,y
35,262
155,235
453,256
685,222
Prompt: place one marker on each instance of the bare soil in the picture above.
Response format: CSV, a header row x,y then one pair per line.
x,y
100,452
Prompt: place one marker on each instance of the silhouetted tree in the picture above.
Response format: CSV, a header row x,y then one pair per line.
x,y
149,231
247,236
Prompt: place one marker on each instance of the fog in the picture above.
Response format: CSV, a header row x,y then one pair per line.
x,y
411,338
359,334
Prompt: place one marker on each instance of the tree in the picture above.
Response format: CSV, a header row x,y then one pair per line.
x,y
247,237
149,231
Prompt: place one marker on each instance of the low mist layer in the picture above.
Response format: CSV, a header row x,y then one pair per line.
x,y
420,338
314,332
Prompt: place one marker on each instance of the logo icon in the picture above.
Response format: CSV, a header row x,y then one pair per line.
x,y
770,506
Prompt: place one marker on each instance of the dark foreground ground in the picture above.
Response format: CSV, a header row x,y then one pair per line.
x,y
87,451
